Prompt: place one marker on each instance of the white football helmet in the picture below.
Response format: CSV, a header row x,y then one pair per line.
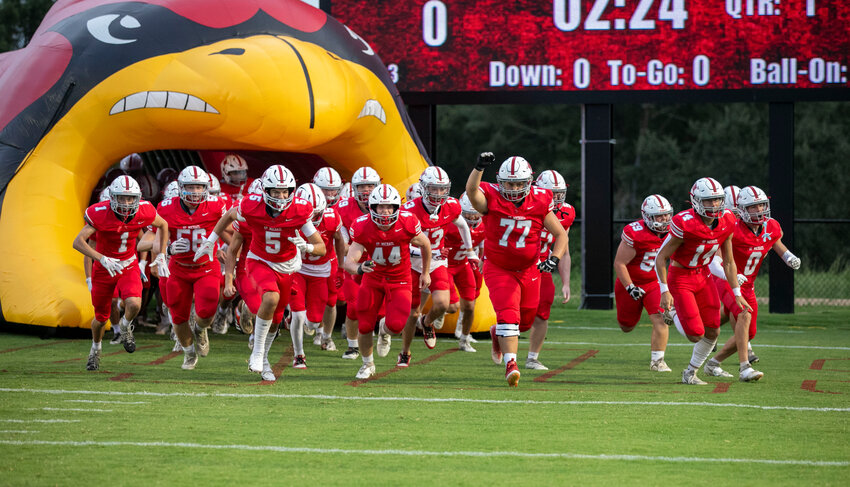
x,y
413,191
215,186
104,194
345,192
172,190
515,169
124,186
750,196
256,187
313,193
193,175
330,182
365,176
731,198
554,182
468,212
656,205
234,169
432,180
278,177
384,194
707,189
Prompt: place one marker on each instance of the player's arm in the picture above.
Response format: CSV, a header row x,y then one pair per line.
x,y
559,247
160,246
624,255
476,197
208,244
146,243
790,259
424,244
340,246
87,259
671,243
731,271
81,243
230,263
352,259
565,267
466,237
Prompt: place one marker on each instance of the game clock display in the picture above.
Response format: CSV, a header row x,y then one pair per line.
x,y
445,46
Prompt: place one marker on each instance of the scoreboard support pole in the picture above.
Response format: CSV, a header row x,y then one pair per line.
x,y
424,118
781,178
597,170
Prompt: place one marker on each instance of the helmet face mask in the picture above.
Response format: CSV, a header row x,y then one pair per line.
x,y
514,179
384,204
124,196
657,213
278,187
753,205
708,190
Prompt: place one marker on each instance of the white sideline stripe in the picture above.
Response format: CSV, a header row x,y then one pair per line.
x,y
72,409
39,420
323,397
17,431
649,325
573,456
105,402
757,345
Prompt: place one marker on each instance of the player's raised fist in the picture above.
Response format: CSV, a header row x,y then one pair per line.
x,y
484,160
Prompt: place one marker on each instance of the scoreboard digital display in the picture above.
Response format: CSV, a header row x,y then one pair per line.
x,y
609,49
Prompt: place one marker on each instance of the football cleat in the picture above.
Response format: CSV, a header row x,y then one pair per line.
x,y
750,375
328,344
299,362
384,342
439,322
351,354
752,358
659,366
496,350
219,323
267,374
403,360
712,368
366,371
690,377
428,333
317,339
465,346
534,364
512,373
255,362
202,341
116,339
94,360
128,339
190,360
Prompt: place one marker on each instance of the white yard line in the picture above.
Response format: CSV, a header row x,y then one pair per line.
x,y
755,345
105,402
40,420
73,409
647,325
323,397
419,453
17,431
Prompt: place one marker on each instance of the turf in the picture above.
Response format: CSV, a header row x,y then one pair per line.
x,y
598,416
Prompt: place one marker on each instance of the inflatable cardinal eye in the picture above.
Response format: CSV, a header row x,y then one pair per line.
x,y
98,27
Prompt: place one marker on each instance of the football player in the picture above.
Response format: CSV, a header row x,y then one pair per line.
x,y
234,175
331,184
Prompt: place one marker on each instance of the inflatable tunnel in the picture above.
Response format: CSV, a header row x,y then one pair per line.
x,y
105,78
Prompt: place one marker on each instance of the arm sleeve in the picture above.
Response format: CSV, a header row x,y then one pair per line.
x,y
716,267
308,229
463,228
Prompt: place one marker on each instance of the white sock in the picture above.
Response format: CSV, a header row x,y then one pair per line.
x,y
745,365
353,343
124,324
296,329
269,341
509,357
367,360
117,327
701,350
533,355
656,355
459,324
325,336
464,337
749,347
96,346
261,331
190,349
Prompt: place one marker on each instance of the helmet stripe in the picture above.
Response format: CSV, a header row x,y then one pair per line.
x,y
513,166
280,173
364,172
127,182
313,194
660,203
713,187
330,177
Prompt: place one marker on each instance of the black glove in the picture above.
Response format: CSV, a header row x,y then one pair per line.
x,y
484,160
635,292
549,265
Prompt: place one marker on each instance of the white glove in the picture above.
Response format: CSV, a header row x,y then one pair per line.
x,y
470,254
161,266
180,246
741,279
206,248
635,292
791,260
88,283
142,264
112,266
301,244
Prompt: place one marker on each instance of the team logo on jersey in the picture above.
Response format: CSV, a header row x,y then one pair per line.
x,y
766,236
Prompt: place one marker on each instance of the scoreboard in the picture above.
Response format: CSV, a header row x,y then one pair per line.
x,y
608,50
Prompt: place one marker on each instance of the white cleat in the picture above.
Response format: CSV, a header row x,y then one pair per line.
x,y
384,340
465,346
317,339
750,375
202,341
659,366
190,360
328,344
438,323
534,364
712,369
366,371
251,341
690,377
255,362
267,374
177,347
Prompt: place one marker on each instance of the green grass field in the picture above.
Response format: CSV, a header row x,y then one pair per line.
x,y
599,415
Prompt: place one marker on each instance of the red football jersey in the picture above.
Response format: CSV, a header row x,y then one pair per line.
x,y
349,211
390,249
566,215
749,249
512,233
270,236
246,240
454,242
700,241
115,238
195,227
646,244
236,193
435,228
327,228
